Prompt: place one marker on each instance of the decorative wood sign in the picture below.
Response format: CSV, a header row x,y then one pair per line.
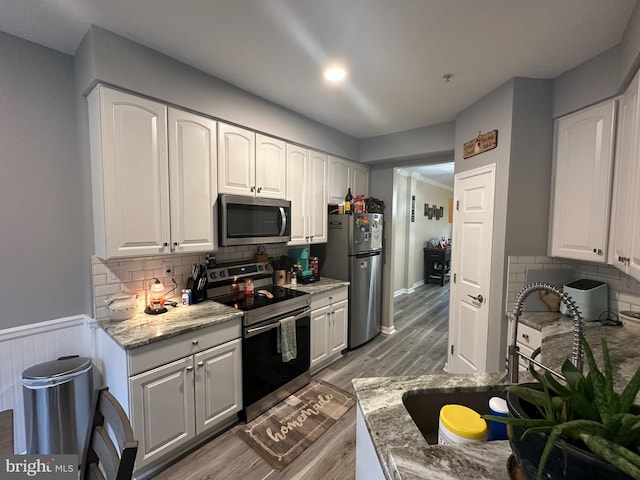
x,y
481,144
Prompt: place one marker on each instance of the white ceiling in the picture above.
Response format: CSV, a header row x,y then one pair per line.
x,y
396,50
441,173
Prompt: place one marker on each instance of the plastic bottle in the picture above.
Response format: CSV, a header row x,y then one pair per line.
x,y
294,279
348,202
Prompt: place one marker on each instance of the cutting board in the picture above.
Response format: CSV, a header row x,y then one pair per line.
x,y
556,277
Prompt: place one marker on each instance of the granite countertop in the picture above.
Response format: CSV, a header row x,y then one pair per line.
x,y
144,329
405,455
324,285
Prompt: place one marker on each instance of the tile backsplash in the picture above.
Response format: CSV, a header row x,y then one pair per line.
x,y
624,291
134,274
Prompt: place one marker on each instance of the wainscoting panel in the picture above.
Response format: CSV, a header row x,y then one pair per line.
x,y
22,347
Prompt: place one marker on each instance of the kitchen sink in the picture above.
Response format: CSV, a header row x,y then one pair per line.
x,y
424,408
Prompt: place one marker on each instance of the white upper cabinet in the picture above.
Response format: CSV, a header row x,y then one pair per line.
x,y
624,251
236,160
249,163
306,190
130,174
360,180
271,164
344,174
339,179
193,181
153,176
582,183
318,173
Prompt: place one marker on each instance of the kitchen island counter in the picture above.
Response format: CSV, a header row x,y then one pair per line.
x,y
321,286
401,449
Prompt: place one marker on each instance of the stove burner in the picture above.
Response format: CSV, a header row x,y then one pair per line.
x,y
264,296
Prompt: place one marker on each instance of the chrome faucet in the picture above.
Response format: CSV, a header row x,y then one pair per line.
x,y
514,351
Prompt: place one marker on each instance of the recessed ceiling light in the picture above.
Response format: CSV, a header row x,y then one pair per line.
x,y
335,74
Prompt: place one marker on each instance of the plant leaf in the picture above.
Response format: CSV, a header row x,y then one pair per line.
x,y
541,400
572,375
619,456
612,398
629,393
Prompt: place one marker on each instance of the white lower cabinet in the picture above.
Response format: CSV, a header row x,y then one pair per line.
x,y
329,322
176,391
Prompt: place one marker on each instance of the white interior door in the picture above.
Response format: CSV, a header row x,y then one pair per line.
x,y
471,266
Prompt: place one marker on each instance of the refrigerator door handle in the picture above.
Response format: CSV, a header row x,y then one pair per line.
x,y
368,254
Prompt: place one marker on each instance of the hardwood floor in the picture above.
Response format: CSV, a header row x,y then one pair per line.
x,y
418,347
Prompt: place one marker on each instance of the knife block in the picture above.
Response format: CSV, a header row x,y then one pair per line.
x,y
197,296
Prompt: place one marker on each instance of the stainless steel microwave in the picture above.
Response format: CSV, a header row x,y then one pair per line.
x,y
253,220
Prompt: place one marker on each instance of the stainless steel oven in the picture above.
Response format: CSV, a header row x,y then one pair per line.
x,y
267,376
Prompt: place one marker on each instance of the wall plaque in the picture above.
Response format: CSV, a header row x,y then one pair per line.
x,y
481,144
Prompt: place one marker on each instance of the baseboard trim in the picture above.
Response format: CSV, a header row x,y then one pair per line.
x,y
388,330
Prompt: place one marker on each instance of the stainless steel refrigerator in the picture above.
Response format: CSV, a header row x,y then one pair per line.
x,y
354,254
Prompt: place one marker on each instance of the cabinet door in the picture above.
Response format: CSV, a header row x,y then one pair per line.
x,y
339,179
320,319
582,184
623,184
339,320
193,181
298,193
162,409
130,174
236,160
360,180
318,169
218,384
270,167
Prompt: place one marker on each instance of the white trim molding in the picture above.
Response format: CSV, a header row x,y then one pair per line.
x,y
388,330
24,346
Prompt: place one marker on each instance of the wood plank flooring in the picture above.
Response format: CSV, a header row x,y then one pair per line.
x,y
418,347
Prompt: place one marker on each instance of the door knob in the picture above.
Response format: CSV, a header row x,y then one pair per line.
x,y
478,299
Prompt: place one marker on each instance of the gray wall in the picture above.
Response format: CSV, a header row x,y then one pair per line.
x,y
106,57
44,262
429,141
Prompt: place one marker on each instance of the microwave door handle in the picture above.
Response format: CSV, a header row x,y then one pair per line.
x,y
283,217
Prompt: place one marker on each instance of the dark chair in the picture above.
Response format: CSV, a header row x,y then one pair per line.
x,y
103,459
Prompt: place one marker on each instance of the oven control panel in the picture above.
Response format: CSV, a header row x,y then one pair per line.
x,y
237,272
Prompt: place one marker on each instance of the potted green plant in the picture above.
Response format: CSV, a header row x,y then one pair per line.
x,y
580,429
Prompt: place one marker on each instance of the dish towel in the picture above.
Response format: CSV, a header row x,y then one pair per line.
x,y
287,339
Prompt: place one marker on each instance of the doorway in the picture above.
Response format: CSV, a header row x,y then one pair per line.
x,y
421,210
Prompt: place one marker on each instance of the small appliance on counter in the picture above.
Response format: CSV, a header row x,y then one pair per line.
x,y
155,299
121,306
300,256
590,296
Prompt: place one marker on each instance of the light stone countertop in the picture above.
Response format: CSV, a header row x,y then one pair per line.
x,y
405,455
144,329
324,285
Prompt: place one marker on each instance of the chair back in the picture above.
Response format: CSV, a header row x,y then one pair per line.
x,y
110,449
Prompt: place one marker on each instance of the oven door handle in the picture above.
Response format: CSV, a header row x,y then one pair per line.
x,y
250,332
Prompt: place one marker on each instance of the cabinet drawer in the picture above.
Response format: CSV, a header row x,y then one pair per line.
x,y
528,336
319,300
165,351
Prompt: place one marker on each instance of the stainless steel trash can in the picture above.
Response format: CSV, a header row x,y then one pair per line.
x,y
57,404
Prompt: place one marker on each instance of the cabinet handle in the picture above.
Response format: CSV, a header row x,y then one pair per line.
x,y
200,364
175,244
253,189
259,189
190,368
525,336
165,244
598,251
194,342
311,237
